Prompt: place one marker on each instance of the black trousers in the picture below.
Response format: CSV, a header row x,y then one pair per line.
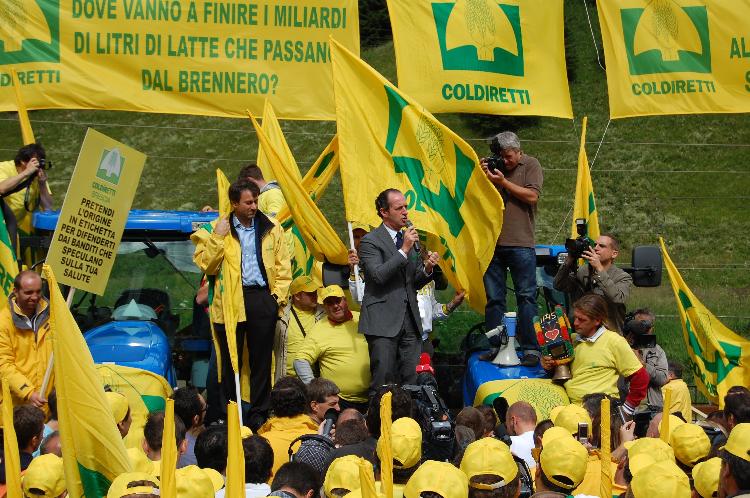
x,y
261,313
393,360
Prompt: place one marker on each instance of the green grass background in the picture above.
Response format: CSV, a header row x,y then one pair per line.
x,y
684,178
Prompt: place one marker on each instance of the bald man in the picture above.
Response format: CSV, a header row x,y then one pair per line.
x,y
520,421
25,345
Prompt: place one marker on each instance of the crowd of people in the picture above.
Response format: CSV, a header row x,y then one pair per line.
x,y
314,427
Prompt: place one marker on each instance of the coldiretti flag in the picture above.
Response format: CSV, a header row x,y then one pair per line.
x,y
8,263
584,206
676,56
482,56
317,233
719,358
303,261
93,451
389,141
275,135
318,177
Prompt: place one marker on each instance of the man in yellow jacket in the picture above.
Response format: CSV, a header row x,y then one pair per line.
x,y
25,344
265,273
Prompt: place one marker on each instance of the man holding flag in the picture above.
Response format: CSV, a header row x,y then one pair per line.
x,y
518,177
265,277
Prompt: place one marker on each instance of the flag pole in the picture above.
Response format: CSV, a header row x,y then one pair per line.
x,y
357,280
238,393
51,362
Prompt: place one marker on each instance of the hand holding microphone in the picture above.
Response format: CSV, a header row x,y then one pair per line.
x,y
411,238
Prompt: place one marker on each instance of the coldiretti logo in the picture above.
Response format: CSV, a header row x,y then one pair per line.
x,y
665,37
110,166
479,35
29,31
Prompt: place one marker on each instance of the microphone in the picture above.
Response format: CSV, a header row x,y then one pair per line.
x,y
330,418
409,224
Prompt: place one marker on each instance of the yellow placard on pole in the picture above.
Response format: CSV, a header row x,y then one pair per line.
x,y
94,212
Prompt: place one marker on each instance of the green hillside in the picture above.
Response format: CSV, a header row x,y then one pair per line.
x,y
684,178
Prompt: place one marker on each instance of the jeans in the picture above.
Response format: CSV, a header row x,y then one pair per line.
x,y
521,261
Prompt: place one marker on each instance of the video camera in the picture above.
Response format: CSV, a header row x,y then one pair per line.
x,y
432,414
495,161
637,330
577,246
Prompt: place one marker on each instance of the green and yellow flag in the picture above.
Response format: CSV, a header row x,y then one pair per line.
x,y
168,484
584,206
389,141
235,485
675,56
8,264
318,177
93,451
322,241
719,358
27,134
482,56
11,458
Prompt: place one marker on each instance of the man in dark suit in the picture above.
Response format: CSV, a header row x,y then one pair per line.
x,y
393,272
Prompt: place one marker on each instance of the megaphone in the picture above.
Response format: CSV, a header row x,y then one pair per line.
x,y
500,338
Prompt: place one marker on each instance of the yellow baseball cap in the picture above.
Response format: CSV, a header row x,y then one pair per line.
x,y
194,482
555,411
121,485
343,473
489,456
706,477
570,416
652,446
330,291
406,442
553,433
661,479
564,457
690,443
361,226
438,477
738,443
118,404
45,473
303,283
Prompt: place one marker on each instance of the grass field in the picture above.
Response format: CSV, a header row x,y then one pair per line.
x,y
684,178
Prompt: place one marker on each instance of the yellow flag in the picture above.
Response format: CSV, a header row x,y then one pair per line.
x,y
675,56
168,485
719,358
276,137
366,479
386,457
235,486
27,134
605,485
584,206
321,239
318,177
303,261
93,451
482,56
664,425
389,141
12,460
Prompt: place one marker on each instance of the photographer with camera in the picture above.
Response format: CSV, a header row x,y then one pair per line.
x,y
518,177
639,332
23,184
599,276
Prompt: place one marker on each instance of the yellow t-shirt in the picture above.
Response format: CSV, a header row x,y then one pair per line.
x,y
592,481
294,337
271,200
680,398
598,365
342,354
15,201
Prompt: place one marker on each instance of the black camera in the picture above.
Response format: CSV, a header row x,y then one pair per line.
x,y
495,161
44,164
638,330
577,246
431,412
